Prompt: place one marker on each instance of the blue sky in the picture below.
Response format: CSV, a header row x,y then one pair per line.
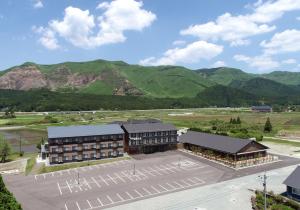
x,y
256,36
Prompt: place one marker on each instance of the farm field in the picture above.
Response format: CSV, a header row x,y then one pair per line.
x,y
33,125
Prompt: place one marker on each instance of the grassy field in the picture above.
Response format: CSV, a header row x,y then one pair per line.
x,y
286,122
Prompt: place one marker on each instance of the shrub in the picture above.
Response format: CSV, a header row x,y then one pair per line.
x,y
7,200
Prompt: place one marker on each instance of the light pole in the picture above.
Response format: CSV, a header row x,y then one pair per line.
x,y
134,169
78,178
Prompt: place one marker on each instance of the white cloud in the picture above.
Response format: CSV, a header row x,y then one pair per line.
x,y
83,29
191,53
236,29
262,63
283,42
240,42
47,39
1,17
38,4
289,61
218,64
179,42
298,18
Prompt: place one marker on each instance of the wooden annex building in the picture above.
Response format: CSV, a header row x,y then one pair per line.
x,y
231,151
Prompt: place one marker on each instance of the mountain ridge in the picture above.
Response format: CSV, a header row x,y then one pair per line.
x,y
101,77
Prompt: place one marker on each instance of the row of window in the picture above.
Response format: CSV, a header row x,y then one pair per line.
x,y
87,138
86,147
151,141
88,156
146,134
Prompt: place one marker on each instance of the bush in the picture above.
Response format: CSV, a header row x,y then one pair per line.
x,y
7,200
281,207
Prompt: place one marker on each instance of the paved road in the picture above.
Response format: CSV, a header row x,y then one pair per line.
x,y
227,195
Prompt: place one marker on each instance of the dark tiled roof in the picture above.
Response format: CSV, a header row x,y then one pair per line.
x,y
293,180
148,127
261,107
84,130
216,142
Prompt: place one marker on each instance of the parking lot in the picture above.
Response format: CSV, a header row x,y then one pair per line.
x,y
116,183
106,185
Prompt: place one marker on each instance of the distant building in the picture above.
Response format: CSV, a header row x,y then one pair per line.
x,y
225,148
261,109
79,143
293,184
149,136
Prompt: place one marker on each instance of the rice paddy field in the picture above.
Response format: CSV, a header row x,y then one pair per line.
x,y
31,127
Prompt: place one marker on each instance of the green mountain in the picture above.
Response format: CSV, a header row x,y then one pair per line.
x,y
265,88
284,77
220,95
224,75
106,78
189,88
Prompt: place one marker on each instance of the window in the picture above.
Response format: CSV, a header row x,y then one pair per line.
x,y
296,191
66,158
54,159
74,157
85,155
109,145
103,154
74,148
85,146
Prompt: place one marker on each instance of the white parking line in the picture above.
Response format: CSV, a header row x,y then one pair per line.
x,y
137,192
66,207
61,173
112,179
141,173
44,176
123,180
155,189
69,186
149,193
163,170
52,173
129,177
194,182
200,180
98,199
85,181
59,188
109,198
148,172
186,183
89,204
78,205
129,195
103,180
153,170
173,188
35,176
122,199
96,182
180,185
163,187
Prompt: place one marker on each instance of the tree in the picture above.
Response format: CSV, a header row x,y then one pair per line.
x,y
38,145
5,149
238,120
268,126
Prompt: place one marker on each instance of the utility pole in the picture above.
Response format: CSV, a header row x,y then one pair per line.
x,y
179,162
264,178
20,145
